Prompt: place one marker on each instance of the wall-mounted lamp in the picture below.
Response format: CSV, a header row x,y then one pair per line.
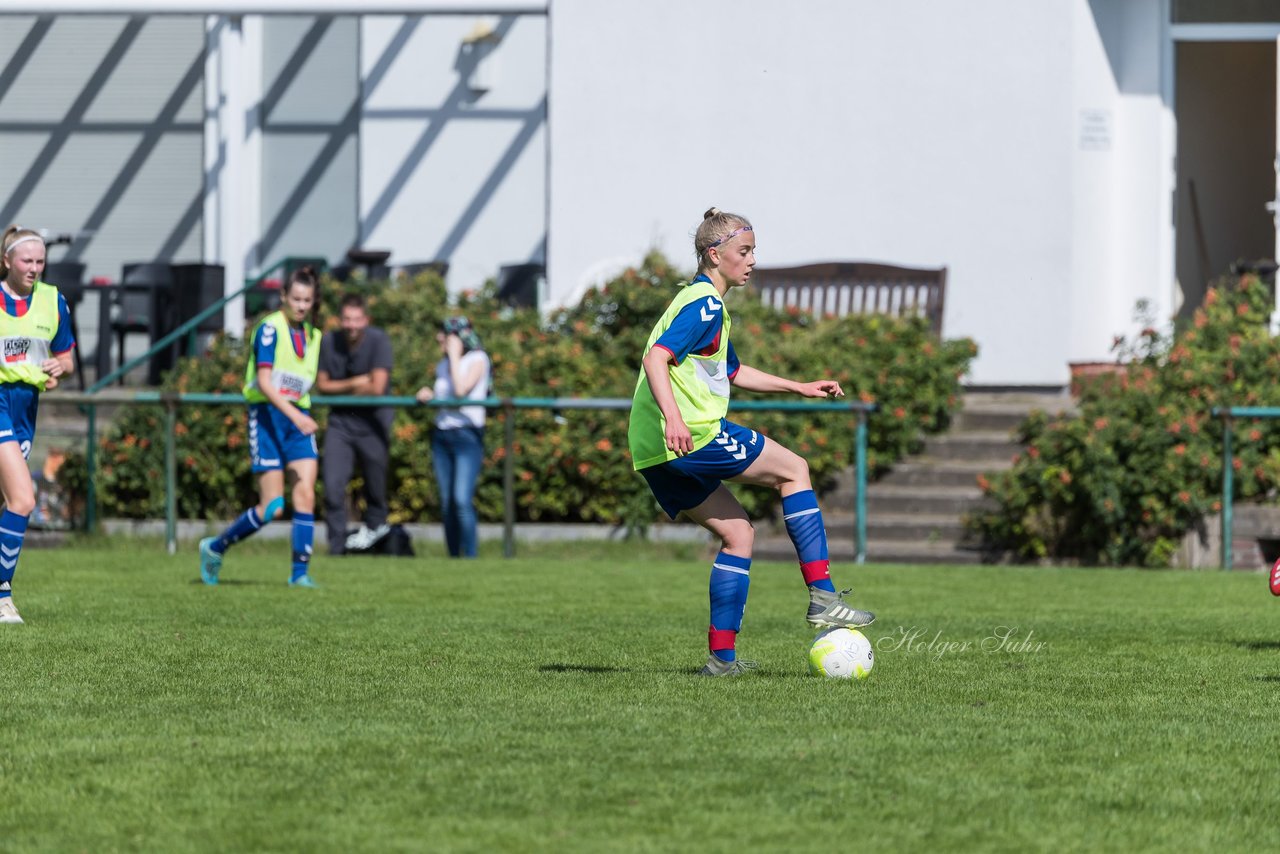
x,y
477,57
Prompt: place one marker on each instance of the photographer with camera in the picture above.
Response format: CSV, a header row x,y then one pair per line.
x,y
457,441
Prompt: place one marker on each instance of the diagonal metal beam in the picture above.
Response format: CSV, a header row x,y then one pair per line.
x,y
178,234
24,52
150,139
75,114
288,73
343,131
389,56
486,191
447,111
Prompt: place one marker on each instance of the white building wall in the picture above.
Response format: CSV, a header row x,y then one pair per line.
x,y
916,133
453,142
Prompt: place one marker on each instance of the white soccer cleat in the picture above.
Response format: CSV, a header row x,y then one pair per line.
x,y
9,611
366,538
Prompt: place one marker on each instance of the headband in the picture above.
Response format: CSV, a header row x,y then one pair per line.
x,y
23,239
730,236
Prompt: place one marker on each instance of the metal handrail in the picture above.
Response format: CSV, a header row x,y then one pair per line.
x,y
89,403
1228,414
187,326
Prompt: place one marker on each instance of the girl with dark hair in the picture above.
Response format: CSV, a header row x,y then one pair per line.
x,y
282,434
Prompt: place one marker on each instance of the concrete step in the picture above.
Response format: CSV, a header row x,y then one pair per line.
x,y
897,526
1021,401
968,420
954,500
942,472
972,445
878,551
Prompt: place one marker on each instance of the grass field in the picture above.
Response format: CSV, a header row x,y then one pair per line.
x,y
549,703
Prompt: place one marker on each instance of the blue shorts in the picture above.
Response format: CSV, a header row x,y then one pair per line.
x,y
18,405
686,482
273,440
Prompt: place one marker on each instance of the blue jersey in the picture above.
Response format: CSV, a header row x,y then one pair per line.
x,y
695,330
63,341
265,341
20,401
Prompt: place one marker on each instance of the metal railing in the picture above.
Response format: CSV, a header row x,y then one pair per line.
x,y
188,327
171,401
1228,415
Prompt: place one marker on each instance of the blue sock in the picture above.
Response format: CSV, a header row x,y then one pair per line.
x,y
13,529
809,535
304,529
245,526
730,580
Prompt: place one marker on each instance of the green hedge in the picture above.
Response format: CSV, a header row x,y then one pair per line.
x,y
573,465
1122,481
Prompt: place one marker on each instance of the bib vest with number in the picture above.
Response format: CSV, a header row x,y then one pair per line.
x,y
700,384
25,341
292,376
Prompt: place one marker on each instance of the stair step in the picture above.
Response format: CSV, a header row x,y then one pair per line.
x,y
942,472
971,445
956,500
878,551
899,526
987,419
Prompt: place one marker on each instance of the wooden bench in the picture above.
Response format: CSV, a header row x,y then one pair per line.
x,y
842,288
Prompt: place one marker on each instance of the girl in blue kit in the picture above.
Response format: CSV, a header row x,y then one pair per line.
x,y
685,447
35,333
283,363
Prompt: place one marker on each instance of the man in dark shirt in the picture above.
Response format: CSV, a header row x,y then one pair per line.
x,y
356,361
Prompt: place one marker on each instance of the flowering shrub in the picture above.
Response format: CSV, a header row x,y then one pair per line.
x,y
571,465
1140,464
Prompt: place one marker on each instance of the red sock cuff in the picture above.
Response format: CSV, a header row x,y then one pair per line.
x,y
816,570
718,639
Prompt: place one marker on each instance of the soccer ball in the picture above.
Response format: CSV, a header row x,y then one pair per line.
x,y
842,654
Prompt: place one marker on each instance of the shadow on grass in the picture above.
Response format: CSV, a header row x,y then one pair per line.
x,y
582,668
561,667
1266,679
226,582
1259,646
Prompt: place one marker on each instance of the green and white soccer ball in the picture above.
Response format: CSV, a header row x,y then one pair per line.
x,y
841,654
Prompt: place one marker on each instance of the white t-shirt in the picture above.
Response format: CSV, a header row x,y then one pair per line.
x,y
467,416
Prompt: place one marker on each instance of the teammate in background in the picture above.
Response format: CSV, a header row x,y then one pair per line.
x,y
282,434
684,446
457,440
356,360
35,330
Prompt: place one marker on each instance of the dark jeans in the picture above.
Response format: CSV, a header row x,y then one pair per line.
x,y
343,448
457,456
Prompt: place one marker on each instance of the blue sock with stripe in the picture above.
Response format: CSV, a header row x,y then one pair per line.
x,y
808,534
13,529
730,581
247,525
304,529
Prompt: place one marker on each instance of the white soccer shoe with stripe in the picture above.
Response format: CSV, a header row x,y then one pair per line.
x,y
9,611
829,610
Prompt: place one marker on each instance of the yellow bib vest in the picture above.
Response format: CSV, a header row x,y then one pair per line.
x,y
293,377
700,384
25,341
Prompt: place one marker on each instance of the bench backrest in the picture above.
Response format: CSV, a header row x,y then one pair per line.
x,y
842,288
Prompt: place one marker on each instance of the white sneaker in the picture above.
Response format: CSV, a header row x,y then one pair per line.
x,y
366,538
9,611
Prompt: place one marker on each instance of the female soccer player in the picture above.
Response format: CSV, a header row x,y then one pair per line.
x,y
35,330
282,434
685,447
